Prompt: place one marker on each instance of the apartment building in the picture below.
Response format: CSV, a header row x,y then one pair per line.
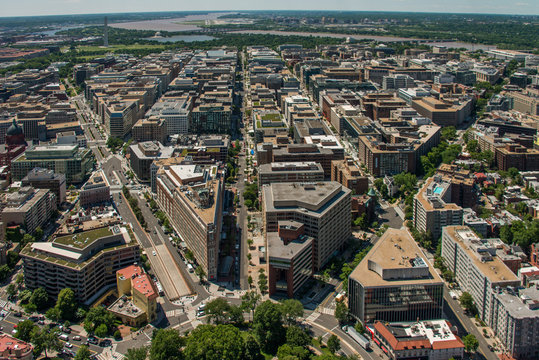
x,y
96,190
476,266
47,179
346,172
29,208
85,261
515,320
192,198
137,297
395,282
290,172
323,207
433,208
517,156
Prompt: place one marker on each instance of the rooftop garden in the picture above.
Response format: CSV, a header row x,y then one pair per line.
x,y
83,239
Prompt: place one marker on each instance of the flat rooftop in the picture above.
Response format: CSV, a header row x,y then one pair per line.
x,y
315,197
523,303
434,201
277,249
83,239
393,251
494,269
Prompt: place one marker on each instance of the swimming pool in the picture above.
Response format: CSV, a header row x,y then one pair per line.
x,y
438,190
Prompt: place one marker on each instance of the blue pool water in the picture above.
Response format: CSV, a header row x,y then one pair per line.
x,y
438,190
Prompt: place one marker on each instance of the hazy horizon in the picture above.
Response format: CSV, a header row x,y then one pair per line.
x,y
81,7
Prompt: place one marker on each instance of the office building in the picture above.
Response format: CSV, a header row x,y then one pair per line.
x,y
433,339
96,190
119,116
444,112
433,208
85,261
192,198
150,129
290,258
47,179
477,268
323,207
142,155
175,112
137,297
290,172
395,282
29,208
397,81
76,164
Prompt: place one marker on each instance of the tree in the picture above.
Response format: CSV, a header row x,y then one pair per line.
x,y
199,271
341,312
268,327
24,330
137,353
19,279
166,344
334,344
249,300
295,336
53,314
97,316
466,301
359,327
291,309
212,342
262,282
84,353
66,304
470,343
101,330
46,339
287,352
11,290
252,349
217,310
39,298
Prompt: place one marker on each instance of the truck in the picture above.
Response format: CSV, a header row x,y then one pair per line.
x,y
360,339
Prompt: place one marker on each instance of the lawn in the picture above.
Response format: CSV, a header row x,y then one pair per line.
x,y
83,239
94,48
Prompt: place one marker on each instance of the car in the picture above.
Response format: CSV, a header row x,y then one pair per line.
x,y
153,253
76,338
92,340
41,322
68,345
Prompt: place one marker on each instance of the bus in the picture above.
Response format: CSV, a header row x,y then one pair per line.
x,y
360,339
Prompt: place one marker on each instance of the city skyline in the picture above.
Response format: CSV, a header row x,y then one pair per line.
x,y
68,7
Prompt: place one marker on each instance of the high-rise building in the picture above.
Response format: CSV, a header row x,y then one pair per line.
x,y
323,207
47,179
192,198
433,208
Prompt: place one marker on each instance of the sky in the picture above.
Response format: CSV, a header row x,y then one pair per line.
x,y
56,7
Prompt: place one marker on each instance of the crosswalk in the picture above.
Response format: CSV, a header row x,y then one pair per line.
x,y
3,303
311,318
110,356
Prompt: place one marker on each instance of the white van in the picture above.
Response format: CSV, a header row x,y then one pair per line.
x,y
63,337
